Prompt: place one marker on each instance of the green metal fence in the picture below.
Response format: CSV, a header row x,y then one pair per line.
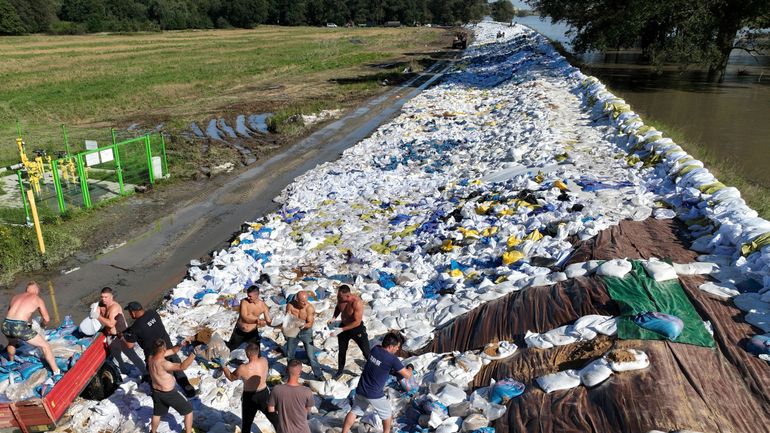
x,y
83,179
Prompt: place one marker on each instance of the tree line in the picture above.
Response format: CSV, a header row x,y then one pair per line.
x,y
84,16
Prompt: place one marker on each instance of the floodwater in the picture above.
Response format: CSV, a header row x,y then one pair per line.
x,y
730,119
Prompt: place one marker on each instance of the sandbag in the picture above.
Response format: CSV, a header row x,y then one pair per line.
x,y
614,268
595,373
664,324
474,422
759,345
535,340
659,271
721,290
567,379
505,390
90,326
620,360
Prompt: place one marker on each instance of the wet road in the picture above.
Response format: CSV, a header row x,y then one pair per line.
x,y
145,268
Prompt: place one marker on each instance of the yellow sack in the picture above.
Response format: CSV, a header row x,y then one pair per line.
x,y
712,187
513,241
755,245
489,231
512,257
534,236
561,185
447,246
456,273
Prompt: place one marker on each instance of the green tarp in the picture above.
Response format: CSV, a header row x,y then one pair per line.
x,y
639,293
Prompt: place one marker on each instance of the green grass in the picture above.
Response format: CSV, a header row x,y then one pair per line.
x,y
96,81
727,171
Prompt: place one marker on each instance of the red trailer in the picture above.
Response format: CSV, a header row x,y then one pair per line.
x,y
42,414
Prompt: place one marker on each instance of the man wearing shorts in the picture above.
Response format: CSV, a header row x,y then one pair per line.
x,y
111,317
252,314
17,326
164,392
370,391
255,392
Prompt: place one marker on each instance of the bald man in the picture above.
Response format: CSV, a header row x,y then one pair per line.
x,y
300,308
17,326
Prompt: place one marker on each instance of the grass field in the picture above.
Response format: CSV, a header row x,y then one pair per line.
x,y
94,82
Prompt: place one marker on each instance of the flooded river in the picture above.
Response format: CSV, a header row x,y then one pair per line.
x,y
731,119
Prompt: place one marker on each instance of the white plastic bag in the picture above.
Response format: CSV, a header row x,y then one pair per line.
x,y
595,373
614,268
659,271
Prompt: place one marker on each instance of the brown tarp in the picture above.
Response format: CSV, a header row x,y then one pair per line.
x,y
686,387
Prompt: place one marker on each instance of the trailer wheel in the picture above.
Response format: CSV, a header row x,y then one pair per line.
x,y
103,384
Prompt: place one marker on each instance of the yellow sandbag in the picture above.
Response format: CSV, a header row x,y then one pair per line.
x,y
755,245
513,241
534,236
712,187
489,231
455,273
561,185
483,208
512,257
447,245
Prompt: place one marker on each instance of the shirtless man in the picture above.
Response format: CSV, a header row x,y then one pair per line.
x,y
300,308
255,392
352,327
111,317
248,324
17,326
164,392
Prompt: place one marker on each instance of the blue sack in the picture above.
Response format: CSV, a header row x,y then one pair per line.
x,y
759,345
664,324
505,390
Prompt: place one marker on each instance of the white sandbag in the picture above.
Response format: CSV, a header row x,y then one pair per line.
x,y
659,271
595,373
535,340
90,326
567,379
696,268
721,290
606,325
450,425
614,268
474,422
497,351
560,336
640,362
451,394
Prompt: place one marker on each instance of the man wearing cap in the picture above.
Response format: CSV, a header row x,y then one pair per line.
x,y
110,315
252,314
146,330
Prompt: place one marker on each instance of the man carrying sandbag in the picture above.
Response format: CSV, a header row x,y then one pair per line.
x,y
370,391
301,309
255,392
110,315
351,307
252,314
146,329
17,325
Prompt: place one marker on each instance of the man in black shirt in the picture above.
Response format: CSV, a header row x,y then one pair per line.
x,y
146,329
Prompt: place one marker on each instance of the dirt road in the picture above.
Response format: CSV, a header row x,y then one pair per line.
x,y
145,268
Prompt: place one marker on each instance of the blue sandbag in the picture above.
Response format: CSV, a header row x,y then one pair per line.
x,y
505,390
664,324
386,280
484,430
26,370
759,345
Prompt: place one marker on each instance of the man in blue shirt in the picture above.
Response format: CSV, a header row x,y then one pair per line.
x,y
370,391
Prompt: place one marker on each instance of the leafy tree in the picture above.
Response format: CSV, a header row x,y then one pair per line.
x,y
36,15
502,11
246,13
682,31
10,23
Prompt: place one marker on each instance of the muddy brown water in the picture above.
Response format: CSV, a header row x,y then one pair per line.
x,y
730,119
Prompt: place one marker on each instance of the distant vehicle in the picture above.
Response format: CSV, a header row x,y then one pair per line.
x,y
393,24
331,25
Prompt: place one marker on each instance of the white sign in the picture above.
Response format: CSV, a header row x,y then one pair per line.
x,y
106,155
92,158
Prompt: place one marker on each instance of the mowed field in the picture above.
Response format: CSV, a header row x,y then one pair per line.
x,y
94,82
